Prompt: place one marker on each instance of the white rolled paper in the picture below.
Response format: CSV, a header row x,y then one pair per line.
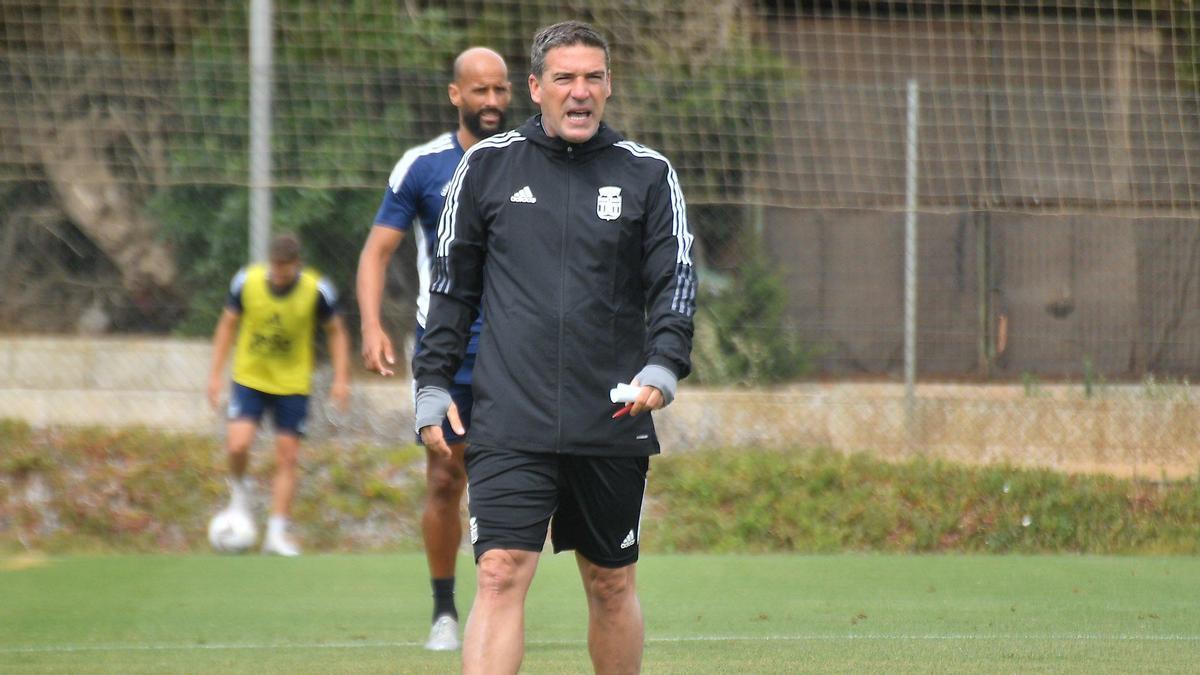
x,y
624,393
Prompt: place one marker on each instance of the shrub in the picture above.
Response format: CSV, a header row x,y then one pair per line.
x,y
139,490
742,333
750,500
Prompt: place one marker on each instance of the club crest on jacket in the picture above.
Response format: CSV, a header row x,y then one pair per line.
x,y
608,203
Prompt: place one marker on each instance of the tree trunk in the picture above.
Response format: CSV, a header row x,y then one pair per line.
x,y
98,203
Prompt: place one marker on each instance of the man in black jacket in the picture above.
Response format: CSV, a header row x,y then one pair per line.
x,y
575,243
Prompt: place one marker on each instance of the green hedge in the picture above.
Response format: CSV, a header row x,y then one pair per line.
x,y
822,501
141,490
138,490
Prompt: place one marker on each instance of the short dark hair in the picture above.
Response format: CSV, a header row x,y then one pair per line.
x,y
285,248
563,34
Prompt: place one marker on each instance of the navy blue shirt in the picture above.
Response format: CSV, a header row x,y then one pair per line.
x,y
416,193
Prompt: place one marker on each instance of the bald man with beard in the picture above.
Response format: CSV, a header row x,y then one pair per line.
x,y
416,191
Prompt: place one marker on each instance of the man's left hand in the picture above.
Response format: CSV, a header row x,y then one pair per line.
x,y
649,398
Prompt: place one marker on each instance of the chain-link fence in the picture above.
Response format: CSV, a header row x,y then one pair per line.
x,y
1055,201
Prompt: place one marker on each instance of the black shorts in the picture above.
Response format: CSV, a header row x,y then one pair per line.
x,y
592,505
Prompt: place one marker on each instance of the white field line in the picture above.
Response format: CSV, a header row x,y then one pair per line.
x,y
950,637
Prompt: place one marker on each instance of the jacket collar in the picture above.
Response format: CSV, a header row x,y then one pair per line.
x,y
532,130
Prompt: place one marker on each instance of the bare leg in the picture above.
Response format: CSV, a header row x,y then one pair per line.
x,y
287,447
495,637
441,522
239,434
615,628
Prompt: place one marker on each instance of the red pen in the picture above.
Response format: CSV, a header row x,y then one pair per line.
x,y
623,411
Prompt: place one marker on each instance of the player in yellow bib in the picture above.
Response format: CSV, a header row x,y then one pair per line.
x,y
278,306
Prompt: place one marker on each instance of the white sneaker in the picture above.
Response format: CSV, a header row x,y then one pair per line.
x,y
280,544
443,636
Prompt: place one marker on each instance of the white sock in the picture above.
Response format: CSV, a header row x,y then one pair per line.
x,y
277,525
239,493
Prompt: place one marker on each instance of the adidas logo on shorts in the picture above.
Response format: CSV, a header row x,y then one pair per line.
x,y
630,540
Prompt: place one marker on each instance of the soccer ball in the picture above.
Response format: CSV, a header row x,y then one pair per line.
x,y
232,531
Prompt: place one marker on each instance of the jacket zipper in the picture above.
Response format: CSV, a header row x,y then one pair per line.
x,y
562,299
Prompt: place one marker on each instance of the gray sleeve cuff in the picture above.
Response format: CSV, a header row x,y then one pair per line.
x,y
431,405
661,379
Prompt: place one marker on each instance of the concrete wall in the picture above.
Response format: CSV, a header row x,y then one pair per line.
x,y
1145,430
57,381
159,383
1128,290
1056,171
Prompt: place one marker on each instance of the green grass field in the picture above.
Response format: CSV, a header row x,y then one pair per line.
x,y
704,614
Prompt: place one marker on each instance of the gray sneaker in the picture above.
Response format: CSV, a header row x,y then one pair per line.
x,y
443,636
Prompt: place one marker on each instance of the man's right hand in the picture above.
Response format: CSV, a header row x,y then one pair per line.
x,y
435,440
214,391
377,352
370,281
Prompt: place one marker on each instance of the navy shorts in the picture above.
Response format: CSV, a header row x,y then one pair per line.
x,y
288,412
592,505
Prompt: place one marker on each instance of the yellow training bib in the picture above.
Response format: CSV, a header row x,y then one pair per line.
x,y
275,340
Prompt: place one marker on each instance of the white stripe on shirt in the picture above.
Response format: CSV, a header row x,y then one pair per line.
x,y
449,217
326,288
685,291
679,225
400,171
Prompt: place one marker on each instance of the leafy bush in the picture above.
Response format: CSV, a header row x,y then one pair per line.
x,y
742,332
748,500
336,125
208,225
139,490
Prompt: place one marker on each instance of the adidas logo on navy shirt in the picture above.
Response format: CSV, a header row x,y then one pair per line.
x,y
523,196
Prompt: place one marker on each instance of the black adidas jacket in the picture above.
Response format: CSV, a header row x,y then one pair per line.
x,y
580,256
